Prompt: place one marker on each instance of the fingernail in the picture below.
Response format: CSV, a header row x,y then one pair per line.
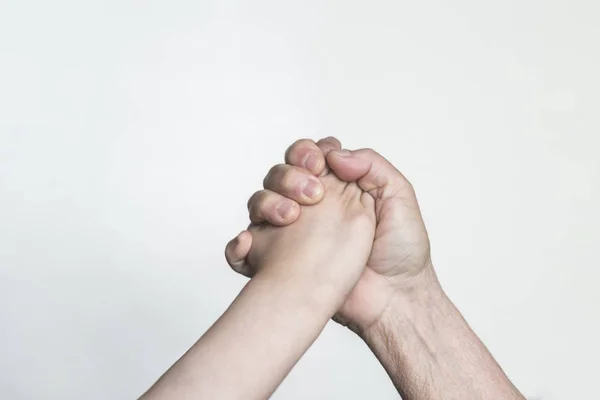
x,y
311,163
342,153
284,209
312,189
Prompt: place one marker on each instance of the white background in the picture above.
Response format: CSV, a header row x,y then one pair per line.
x,y
133,132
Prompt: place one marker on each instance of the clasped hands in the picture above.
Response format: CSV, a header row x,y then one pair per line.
x,y
336,233
344,226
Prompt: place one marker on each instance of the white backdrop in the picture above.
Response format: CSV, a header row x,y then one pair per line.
x,y
133,132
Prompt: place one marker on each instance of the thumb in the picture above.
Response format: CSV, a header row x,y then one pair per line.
x,y
372,172
236,252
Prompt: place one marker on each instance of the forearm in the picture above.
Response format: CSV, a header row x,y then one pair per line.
x,y
252,347
430,352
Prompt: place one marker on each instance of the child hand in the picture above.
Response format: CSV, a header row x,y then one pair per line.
x,y
325,250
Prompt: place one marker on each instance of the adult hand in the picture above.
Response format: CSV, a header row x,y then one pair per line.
x,y
399,263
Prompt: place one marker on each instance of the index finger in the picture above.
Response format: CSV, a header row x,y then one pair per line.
x,y
305,153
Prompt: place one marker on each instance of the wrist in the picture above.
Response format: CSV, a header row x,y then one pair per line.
x,y
301,292
422,330
408,303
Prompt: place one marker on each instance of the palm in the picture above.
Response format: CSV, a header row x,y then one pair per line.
x,y
400,251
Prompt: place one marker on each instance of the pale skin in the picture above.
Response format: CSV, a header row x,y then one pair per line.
x,y
300,279
398,306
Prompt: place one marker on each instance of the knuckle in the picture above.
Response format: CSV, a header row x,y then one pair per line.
x,y
331,139
296,146
252,199
330,143
297,152
257,206
272,172
302,142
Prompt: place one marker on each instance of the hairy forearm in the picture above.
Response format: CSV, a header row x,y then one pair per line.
x,y
252,347
431,353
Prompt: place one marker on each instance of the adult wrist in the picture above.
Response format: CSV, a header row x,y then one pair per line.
x,y
422,330
408,303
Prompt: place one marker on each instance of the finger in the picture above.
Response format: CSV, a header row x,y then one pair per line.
x,y
326,145
295,183
329,143
306,154
372,172
268,206
236,252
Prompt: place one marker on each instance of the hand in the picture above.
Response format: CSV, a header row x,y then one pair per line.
x,y
302,275
400,260
325,250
